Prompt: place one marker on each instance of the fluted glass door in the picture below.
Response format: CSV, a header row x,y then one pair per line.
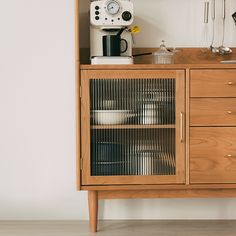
x,y
134,127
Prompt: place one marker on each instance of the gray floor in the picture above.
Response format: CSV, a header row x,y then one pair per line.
x,y
119,228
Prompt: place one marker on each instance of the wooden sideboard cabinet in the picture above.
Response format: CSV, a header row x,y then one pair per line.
x,y
156,132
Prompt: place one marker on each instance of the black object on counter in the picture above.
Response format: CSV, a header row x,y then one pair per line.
x,y
142,54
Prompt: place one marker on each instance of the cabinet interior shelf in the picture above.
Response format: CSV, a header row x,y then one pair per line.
x,y
133,126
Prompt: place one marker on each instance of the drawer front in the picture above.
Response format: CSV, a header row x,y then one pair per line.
x,y
213,83
213,111
213,155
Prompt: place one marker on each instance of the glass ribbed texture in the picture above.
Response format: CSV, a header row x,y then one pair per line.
x,y
132,127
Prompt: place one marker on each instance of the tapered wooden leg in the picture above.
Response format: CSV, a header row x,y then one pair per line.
x,y
93,210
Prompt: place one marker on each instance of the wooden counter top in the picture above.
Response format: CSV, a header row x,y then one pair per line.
x,y
184,58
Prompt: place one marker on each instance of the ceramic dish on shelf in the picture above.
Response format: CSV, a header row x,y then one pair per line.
x,y
110,117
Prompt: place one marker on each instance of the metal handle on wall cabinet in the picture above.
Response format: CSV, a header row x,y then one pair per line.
x,y
181,127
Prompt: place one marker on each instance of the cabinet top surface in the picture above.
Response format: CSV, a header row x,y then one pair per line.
x,y
185,58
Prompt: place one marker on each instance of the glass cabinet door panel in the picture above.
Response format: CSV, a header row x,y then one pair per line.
x,y
133,152
132,101
133,127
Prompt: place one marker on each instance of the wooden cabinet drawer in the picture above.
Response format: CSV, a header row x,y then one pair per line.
x,y
213,111
213,83
213,155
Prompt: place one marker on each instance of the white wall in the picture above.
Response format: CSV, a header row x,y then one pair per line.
x,y
37,124
179,22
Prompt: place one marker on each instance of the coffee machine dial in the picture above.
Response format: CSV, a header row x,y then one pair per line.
x,y
113,7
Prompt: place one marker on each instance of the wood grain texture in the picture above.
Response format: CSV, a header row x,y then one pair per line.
x,y
213,83
133,179
213,111
180,126
184,59
159,187
187,125
186,56
209,148
131,74
85,127
93,210
145,194
158,66
78,126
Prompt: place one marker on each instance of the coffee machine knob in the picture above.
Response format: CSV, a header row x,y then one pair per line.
x,y
126,16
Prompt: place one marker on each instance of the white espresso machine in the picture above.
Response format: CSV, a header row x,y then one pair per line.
x,y
109,17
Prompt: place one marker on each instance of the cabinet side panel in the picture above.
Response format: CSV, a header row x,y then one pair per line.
x,y
78,125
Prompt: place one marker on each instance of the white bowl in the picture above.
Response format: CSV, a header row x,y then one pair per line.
x,y
110,117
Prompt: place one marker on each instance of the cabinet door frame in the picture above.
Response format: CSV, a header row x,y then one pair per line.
x,y
179,178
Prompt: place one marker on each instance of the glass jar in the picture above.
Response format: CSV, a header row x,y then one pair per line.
x,y
163,56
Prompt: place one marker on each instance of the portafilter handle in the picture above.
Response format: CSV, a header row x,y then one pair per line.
x,y
121,31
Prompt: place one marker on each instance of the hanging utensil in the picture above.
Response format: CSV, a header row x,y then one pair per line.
x,y
222,49
206,21
213,17
206,12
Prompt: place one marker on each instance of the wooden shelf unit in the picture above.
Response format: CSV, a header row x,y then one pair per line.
x,y
205,152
